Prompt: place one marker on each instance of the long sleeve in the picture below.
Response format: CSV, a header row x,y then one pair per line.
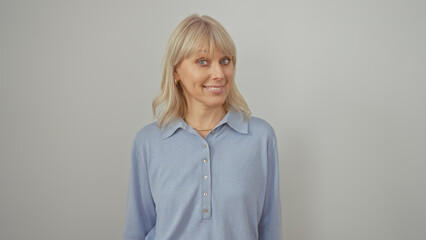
x,y
140,211
270,222
184,187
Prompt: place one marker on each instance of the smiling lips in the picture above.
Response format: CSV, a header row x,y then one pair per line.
x,y
214,89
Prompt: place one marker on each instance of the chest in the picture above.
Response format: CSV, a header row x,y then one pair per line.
x,y
222,169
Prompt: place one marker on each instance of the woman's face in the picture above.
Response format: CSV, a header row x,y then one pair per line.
x,y
205,79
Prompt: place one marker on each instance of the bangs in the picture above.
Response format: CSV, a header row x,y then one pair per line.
x,y
201,35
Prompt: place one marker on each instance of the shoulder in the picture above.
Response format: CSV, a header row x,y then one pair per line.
x,y
262,131
259,126
150,132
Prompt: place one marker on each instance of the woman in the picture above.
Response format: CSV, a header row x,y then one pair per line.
x,y
205,169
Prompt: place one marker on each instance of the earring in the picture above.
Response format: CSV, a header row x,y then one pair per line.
x,y
176,82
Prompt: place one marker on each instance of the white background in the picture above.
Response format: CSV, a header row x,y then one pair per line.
x,y
343,83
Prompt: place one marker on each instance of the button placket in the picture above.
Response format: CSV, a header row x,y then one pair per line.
x,y
205,182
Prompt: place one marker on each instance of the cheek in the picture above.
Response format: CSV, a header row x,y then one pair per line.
x,y
229,72
192,79
230,76
197,82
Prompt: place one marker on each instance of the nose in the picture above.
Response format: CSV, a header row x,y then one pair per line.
x,y
217,72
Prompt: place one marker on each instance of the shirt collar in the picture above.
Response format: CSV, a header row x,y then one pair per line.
x,y
234,119
171,128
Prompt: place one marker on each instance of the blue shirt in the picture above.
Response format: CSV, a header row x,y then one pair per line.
x,y
221,187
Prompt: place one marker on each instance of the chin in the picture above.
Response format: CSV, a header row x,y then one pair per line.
x,y
216,103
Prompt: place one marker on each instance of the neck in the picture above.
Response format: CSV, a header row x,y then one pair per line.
x,y
204,119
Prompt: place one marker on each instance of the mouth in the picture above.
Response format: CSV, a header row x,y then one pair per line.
x,y
214,89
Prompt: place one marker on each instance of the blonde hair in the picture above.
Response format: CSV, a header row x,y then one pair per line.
x,y
194,30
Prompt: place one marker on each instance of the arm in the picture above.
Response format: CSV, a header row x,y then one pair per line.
x,y
270,223
140,211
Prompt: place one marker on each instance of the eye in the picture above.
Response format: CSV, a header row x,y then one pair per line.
x,y
225,61
202,62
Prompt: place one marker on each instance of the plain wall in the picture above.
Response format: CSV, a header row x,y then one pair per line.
x,y
343,83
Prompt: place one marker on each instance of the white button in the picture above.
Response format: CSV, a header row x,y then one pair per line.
x,y
205,177
205,160
212,132
205,194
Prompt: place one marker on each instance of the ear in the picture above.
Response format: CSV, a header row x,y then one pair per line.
x,y
176,75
